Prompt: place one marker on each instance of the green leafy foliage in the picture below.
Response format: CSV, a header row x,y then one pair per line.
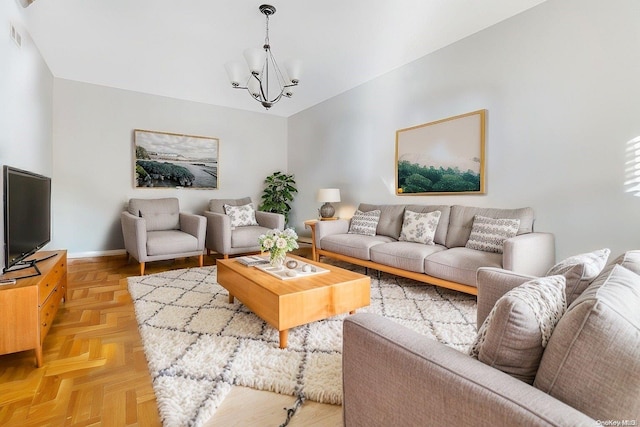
x,y
414,178
278,194
141,153
148,171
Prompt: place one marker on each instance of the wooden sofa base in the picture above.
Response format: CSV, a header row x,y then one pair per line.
x,y
420,277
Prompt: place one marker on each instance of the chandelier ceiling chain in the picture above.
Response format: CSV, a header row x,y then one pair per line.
x,y
266,82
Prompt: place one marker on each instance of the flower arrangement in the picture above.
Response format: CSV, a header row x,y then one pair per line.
x,y
278,243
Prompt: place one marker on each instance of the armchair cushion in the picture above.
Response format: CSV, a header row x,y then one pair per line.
x,y
246,237
217,205
165,242
159,214
580,271
241,216
514,335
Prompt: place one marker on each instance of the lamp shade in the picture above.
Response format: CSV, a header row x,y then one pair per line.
x,y
328,195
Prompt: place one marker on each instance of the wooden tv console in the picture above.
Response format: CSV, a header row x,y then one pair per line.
x,y
28,307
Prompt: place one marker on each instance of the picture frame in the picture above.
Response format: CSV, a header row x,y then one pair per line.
x,y
443,157
172,160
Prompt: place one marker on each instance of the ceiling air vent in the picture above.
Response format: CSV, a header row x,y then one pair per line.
x,y
15,36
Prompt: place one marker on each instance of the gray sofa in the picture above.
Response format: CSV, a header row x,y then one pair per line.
x,y
447,263
589,372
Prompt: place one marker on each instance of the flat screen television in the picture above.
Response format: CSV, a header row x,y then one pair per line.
x,y
27,216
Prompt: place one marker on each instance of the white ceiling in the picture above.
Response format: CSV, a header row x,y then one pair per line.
x,y
178,48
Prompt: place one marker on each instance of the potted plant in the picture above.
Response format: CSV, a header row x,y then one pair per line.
x,y
278,194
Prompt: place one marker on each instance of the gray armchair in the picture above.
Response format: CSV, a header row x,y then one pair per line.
x,y
227,240
155,229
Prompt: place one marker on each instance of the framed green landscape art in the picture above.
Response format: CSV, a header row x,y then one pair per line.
x,y
171,160
442,157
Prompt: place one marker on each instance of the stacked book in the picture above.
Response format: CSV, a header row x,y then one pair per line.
x,y
252,260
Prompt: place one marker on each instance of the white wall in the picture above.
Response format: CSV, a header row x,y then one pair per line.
x,y
561,86
93,157
26,91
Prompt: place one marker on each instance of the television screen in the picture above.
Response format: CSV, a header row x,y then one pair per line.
x,y
27,214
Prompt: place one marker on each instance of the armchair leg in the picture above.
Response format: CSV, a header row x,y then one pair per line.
x,y
226,256
142,268
200,260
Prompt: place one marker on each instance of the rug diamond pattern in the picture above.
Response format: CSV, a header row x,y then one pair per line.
x,y
198,345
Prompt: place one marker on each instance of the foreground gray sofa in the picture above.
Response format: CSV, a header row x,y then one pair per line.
x,y
447,263
589,373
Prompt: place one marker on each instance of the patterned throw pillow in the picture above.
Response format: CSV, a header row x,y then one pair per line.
x,y
489,234
513,336
580,271
364,222
241,216
419,227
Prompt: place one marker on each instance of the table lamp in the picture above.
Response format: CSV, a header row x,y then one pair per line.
x,y
327,196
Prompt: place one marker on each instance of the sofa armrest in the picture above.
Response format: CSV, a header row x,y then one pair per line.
x,y
492,283
196,225
395,376
218,232
326,228
270,220
530,253
134,232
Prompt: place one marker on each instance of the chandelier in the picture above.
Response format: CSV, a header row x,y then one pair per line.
x,y
266,81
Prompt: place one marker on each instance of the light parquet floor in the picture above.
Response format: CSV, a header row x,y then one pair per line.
x,y
95,372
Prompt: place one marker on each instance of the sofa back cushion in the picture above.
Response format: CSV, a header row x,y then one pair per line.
x,y
217,205
159,214
461,221
594,349
443,223
513,336
390,223
580,270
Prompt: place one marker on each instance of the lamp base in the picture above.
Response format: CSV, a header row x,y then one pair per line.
x,y
327,211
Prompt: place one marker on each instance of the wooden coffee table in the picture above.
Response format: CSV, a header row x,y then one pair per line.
x,y
285,304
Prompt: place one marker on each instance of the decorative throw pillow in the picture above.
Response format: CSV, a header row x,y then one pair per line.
x,y
513,337
241,216
580,271
364,222
419,227
489,234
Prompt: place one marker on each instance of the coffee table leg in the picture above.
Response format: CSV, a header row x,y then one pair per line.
x,y
230,298
284,336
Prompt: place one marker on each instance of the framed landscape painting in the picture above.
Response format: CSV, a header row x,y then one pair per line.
x,y
171,160
442,157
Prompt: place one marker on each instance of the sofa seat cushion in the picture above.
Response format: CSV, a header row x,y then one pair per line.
x,y
460,264
353,245
247,236
170,242
404,255
594,349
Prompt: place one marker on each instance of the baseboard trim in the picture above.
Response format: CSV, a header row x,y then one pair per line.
x,y
93,254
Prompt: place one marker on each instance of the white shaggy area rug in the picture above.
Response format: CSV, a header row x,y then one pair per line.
x,y
198,345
